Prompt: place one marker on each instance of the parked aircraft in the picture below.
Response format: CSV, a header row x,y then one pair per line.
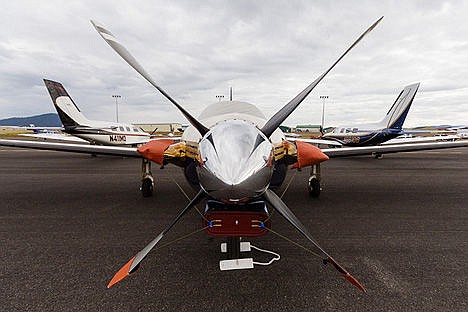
x,y
373,134
93,131
233,156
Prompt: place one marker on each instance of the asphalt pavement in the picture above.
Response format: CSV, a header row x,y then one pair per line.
x,y
68,222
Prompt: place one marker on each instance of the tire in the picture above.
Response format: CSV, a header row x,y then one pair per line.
x,y
147,187
314,187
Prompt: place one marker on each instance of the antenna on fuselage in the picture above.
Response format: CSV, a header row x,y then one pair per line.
x,y
230,94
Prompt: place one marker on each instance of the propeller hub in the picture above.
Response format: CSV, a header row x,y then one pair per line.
x,y
235,161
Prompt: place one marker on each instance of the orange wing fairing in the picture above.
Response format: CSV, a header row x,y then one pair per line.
x,y
154,150
308,155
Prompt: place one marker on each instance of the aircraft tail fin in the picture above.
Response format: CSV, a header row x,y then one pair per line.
x,y
68,112
396,115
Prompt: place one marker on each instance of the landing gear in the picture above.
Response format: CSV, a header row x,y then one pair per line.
x,y
147,180
377,155
314,181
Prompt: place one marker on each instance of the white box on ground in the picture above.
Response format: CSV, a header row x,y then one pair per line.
x,y
236,264
244,247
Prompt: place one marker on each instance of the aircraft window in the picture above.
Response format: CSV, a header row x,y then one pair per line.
x,y
342,130
121,129
114,128
128,129
355,130
135,130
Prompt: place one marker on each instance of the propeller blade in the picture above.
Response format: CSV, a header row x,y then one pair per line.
x,y
125,54
277,119
132,265
283,210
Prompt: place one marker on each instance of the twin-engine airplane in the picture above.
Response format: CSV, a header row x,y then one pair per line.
x,y
234,157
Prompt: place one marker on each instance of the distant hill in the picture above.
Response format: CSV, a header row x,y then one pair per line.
x,y
44,120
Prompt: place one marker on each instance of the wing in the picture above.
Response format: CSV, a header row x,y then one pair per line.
x,y
75,148
161,151
396,148
54,136
319,141
421,139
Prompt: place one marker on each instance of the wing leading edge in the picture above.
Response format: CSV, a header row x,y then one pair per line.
x,y
75,148
387,149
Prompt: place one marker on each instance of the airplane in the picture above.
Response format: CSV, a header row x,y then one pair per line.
x,y
234,157
373,134
93,131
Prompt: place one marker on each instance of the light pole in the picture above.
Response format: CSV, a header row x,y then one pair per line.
x,y
323,97
219,97
116,96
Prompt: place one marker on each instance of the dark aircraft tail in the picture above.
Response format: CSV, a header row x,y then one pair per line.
x,y
396,115
69,113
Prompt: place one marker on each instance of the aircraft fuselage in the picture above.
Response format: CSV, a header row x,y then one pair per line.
x,y
354,137
111,136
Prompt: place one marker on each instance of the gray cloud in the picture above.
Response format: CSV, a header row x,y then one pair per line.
x,y
267,50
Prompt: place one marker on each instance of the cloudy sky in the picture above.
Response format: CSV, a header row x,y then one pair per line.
x,y
268,51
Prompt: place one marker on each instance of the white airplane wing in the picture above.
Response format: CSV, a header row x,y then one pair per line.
x,y
319,141
55,136
399,140
386,149
76,148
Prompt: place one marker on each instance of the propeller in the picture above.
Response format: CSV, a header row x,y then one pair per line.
x,y
125,54
281,207
275,121
134,263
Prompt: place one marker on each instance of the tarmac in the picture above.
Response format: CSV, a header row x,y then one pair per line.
x,y
68,222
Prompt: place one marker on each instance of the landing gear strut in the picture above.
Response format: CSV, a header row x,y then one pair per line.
x,y
314,181
147,180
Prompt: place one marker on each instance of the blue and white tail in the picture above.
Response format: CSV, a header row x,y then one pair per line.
x,y
397,114
67,110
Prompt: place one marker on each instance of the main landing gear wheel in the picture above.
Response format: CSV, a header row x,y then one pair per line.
x,y
314,181
147,181
147,186
314,187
